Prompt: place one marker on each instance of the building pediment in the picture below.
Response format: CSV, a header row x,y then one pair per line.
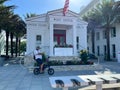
x,y
56,17
59,12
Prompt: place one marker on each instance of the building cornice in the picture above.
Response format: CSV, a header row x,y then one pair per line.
x,y
36,17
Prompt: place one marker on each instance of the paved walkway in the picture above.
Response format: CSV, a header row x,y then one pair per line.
x,y
14,77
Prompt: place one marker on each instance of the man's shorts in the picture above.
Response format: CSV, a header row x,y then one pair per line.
x,y
39,61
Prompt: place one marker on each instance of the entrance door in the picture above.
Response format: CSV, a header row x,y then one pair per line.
x,y
59,37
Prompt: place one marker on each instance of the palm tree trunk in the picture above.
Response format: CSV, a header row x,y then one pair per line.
x,y
19,46
7,42
11,37
0,29
16,47
108,42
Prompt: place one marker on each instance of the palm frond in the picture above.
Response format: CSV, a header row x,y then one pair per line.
x,y
3,1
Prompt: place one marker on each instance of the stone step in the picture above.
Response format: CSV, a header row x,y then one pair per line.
x,y
64,58
72,67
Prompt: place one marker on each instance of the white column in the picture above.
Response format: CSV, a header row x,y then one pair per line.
x,y
51,39
74,40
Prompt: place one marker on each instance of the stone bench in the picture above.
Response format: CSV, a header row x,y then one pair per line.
x,y
66,82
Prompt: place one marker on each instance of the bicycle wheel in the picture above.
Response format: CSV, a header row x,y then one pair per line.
x,y
36,71
50,71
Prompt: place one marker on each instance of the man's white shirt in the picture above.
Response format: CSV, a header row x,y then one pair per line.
x,y
37,55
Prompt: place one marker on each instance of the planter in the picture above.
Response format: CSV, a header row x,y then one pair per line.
x,y
61,51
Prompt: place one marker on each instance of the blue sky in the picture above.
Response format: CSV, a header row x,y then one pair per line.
x,y
42,6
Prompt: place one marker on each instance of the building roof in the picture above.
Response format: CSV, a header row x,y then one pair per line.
x,y
89,7
54,12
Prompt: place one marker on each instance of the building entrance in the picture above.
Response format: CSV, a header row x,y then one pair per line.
x,y
59,37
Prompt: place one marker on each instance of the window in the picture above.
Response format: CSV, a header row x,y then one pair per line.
x,y
98,50
113,32
77,40
38,39
104,34
113,51
97,36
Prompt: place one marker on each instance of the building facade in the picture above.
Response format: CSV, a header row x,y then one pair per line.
x,y
100,42
100,36
56,34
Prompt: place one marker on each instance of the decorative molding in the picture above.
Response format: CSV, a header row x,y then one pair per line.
x,y
57,19
67,20
31,24
42,24
80,26
36,24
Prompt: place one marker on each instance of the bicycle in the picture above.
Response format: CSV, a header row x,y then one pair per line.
x,y
46,65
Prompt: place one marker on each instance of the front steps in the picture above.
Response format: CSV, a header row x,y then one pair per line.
x,y
64,58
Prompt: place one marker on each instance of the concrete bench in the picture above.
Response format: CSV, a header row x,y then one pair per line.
x,y
65,82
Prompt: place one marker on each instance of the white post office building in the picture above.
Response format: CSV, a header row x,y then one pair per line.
x,y
56,34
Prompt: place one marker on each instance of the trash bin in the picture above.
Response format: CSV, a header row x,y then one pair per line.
x,y
2,61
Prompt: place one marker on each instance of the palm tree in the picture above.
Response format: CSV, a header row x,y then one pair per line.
x,y
5,13
93,22
116,8
14,19
106,15
6,26
15,27
29,15
20,30
4,10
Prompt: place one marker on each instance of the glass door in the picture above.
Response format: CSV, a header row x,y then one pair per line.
x,y
60,37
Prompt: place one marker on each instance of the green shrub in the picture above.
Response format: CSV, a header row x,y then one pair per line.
x,y
44,57
55,63
84,56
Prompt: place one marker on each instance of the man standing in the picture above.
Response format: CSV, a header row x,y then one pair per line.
x,y
38,58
